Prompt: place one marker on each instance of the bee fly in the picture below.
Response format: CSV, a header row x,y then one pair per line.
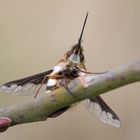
x,y
70,66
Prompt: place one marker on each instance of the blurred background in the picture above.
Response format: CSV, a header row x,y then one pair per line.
x,y
34,34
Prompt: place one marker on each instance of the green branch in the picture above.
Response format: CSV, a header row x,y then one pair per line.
x,y
81,88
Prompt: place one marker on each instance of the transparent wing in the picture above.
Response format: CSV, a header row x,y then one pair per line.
x,y
25,86
97,107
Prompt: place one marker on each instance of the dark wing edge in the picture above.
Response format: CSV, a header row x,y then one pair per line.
x,y
24,86
100,110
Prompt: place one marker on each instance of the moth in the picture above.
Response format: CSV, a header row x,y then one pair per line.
x,y
70,66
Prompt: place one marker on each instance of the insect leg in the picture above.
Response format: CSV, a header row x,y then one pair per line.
x,y
45,77
65,84
90,72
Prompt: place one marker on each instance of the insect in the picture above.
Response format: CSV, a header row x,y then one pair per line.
x,y
70,66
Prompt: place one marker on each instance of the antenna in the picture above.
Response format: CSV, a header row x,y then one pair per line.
x,y
80,39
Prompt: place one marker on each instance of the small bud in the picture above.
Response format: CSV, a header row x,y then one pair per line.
x,y
4,123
